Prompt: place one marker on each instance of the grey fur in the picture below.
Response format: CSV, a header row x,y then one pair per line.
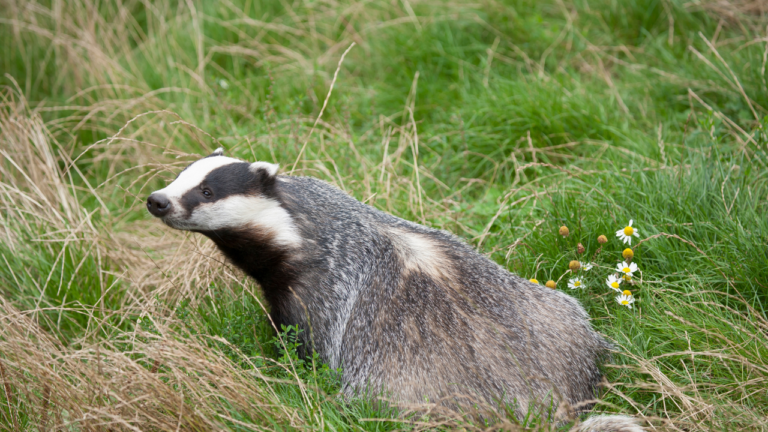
x,y
612,423
416,313
430,321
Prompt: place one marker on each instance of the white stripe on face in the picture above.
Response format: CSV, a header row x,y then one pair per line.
x,y
241,211
191,177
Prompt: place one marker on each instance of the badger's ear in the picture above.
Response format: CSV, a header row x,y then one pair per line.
x,y
271,169
218,152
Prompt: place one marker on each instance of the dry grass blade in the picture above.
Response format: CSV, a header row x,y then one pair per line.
x,y
105,385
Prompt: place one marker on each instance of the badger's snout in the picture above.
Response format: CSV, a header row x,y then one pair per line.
x,y
158,204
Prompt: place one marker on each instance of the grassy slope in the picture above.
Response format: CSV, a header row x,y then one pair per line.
x,y
522,116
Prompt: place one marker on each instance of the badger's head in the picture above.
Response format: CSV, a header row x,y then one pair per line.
x,y
217,194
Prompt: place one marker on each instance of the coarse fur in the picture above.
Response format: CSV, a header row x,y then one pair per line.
x,y
608,423
404,309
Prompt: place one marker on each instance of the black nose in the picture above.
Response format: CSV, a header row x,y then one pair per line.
x,y
158,205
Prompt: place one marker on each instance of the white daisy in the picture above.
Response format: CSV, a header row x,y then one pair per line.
x,y
613,283
626,269
626,234
587,266
575,283
625,300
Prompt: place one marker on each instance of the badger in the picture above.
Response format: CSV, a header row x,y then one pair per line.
x,y
404,310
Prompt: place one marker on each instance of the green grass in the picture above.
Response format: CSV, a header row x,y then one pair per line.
x,y
498,121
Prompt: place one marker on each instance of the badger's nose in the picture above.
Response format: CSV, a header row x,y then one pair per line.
x,y
158,205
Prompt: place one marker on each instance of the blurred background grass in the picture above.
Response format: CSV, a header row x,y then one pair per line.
x,y
498,121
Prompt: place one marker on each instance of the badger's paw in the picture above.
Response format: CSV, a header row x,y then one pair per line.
x,y
608,423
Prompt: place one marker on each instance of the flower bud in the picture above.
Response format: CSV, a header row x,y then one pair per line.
x,y
574,265
564,231
628,254
550,284
602,239
534,281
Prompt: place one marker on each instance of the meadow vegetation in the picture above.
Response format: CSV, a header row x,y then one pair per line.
x,y
497,120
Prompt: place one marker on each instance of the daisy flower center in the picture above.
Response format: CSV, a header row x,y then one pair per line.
x,y
628,231
614,284
627,270
627,293
624,302
577,283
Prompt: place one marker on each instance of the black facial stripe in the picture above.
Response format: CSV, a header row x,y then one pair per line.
x,y
232,179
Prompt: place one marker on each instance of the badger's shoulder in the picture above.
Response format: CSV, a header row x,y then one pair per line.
x,y
432,252
323,209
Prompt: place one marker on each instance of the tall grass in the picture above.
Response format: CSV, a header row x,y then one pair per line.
x,y
498,121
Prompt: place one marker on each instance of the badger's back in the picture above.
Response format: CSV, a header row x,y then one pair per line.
x,y
417,313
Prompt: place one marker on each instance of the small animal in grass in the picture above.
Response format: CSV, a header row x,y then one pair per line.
x,y
405,310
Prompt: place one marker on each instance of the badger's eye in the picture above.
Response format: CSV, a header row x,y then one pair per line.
x,y
207,193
